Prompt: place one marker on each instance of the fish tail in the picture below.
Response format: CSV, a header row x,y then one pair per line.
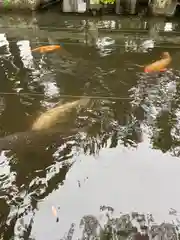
x,y
137,65
34,50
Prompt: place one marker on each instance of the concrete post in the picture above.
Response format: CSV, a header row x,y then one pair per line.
x,y
118,7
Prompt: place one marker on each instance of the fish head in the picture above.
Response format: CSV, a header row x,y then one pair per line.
x,y
165,55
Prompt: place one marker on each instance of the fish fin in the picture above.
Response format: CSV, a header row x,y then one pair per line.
x,y
35,49
146,70
163,70
137,65
160,70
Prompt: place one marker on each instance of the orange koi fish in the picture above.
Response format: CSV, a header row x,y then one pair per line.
x,y
54,211
48,48
160,65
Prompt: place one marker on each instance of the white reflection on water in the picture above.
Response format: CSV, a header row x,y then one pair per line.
x,y
26,54
131,45
4,169
127,179
107,24
42,75
105,45
147,44
134,45
4,43
168,27
50,88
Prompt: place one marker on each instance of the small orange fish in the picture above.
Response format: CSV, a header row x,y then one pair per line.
x,y
160,65
55,213
48,48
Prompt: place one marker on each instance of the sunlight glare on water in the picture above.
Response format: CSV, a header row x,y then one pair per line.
x,y
25,53
4,42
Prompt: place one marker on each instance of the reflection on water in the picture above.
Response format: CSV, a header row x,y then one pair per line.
x,y
112,170
25,53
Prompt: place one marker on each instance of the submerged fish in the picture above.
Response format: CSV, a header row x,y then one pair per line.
x,y
31,139
160,65
48,48
57,114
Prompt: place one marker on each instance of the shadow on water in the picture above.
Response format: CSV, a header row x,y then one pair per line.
x,y
110,171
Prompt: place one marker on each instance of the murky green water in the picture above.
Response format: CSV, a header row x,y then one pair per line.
x,y
116,175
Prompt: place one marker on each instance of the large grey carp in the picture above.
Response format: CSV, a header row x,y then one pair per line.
x,y
57,114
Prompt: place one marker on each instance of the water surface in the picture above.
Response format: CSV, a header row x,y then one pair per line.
x,y
114,171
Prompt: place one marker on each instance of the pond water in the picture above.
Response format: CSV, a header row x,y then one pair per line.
x,y
111,171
